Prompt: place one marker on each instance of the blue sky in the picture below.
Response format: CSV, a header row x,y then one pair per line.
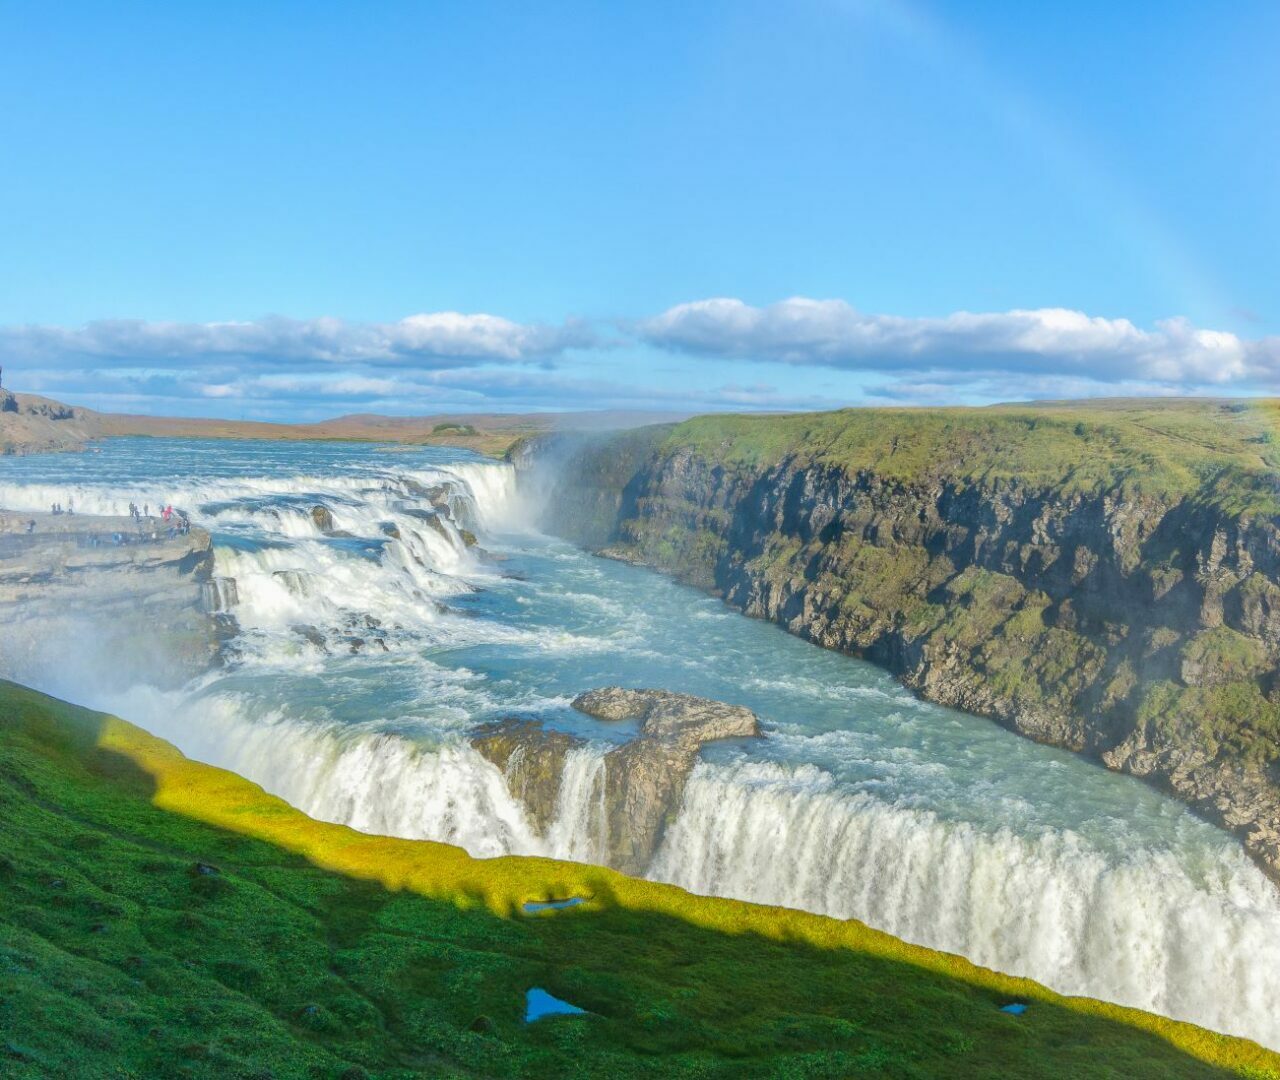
x,y
298,210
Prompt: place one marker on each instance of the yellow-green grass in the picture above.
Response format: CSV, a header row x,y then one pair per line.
x,y
309,950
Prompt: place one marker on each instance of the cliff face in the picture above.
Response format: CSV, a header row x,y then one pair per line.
x,y
101,599
1134,617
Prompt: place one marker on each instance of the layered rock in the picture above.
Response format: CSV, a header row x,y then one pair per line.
x,y
642,780
1134,618
107,599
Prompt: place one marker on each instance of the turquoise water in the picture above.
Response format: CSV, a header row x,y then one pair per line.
x,y
862,801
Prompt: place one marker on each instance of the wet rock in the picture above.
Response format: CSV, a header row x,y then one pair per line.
x,y
295,582
669,715
532,758
323,518
643,779
312,636
138,609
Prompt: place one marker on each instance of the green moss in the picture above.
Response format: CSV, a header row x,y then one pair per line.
x,y
1235,718
326,953
1224,655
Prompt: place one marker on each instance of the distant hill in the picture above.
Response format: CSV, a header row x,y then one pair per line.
x,y
30,424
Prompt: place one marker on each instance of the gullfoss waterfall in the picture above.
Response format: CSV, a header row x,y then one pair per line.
x,y
385,604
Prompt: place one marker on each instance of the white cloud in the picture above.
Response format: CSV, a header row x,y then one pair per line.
x,y
436,340
1044,341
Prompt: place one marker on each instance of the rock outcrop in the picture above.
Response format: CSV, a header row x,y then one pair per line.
x,y
642,780
106,599
1108,586
33,425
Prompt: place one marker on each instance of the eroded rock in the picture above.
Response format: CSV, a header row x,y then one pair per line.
x,y
643,779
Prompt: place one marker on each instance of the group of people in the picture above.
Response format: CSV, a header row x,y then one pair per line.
x,y
57,508
177,520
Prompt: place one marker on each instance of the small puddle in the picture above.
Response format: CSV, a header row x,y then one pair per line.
x,y
538,1003
551,905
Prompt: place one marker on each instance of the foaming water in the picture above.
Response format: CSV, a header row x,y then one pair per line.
x,y
371,638
1143,930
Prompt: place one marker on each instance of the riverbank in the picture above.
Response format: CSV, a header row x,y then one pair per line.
x,y
161,914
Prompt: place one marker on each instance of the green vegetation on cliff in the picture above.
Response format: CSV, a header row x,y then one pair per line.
x,y
1153,448
163,918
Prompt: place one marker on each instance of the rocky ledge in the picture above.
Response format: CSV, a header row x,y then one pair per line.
x,y
643,779
105,598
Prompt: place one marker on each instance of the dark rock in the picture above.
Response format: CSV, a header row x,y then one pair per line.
x,y
323,518
313,636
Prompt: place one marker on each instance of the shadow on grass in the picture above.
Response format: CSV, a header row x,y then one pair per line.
x,y
165,917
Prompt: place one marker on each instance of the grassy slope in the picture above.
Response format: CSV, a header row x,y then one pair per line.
x,y
1158,448
315,951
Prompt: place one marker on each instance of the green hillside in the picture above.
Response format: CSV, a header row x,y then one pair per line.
x,y
1151,447
162,918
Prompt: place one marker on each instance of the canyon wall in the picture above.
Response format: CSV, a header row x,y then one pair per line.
x,y
1105,580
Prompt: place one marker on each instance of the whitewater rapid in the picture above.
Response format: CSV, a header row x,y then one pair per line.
x,y
365,650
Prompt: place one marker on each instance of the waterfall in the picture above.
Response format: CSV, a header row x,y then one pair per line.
x,y
1140,932
580,828
346,696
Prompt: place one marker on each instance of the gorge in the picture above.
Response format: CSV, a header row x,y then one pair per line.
x,y
373,649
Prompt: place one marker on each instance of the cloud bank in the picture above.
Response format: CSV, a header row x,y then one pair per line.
x,y
706,354
438,340
1046,341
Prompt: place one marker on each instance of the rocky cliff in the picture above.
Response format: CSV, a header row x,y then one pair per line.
x,y
104,599
640,782
1105,579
